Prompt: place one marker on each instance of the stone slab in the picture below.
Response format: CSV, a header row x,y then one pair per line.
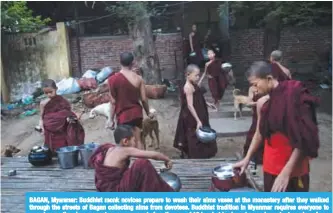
x,y
228,127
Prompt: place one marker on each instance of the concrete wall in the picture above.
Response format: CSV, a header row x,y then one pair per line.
x,y
30,57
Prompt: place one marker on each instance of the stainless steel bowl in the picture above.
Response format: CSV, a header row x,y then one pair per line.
x,y
172,179
206,135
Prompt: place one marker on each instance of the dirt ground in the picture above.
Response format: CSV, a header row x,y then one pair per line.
x,y
21,133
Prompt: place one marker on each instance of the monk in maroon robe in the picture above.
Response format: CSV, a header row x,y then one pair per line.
x,y
217,78
113,172
257,158
195,47
60,125
128,96
288,126
193,115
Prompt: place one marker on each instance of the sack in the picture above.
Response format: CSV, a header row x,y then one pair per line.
x,y
68,86
103,74
87,83
89,74
97,97
155,91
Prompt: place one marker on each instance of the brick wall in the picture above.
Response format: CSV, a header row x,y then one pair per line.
x,y
299,45
98,52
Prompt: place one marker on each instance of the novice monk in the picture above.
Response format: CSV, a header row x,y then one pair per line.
x,y
59,124
217,79
279,72
112,171
257,158
193,115
127,91
287,123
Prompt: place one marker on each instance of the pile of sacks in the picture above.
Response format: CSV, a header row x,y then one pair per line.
x,y
90,80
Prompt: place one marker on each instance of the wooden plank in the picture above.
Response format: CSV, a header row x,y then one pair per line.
x,y
195,175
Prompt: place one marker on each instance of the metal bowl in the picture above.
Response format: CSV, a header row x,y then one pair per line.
x,y
172,179
192,54
206,135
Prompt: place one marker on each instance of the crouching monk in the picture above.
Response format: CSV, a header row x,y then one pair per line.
x,y
193,115
287,124
60,125
112,171
128,92
217,79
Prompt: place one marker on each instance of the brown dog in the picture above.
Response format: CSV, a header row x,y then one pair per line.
x,y
150,125
239,102
10,150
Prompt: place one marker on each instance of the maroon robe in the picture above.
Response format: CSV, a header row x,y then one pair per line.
x,y
186,128
258,156
198,58
57,131
291,112
278,73
219,82
140,177
127,97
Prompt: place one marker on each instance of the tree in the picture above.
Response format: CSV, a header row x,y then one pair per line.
x,y
137,16
17,17
274,15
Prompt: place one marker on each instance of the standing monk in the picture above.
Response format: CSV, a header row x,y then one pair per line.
x,y
288,126
257,158
127,91
217,79
59,124
193,115
195,47
279,72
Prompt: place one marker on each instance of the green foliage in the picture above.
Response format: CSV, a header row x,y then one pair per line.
x,y
289,13
17,17
134,11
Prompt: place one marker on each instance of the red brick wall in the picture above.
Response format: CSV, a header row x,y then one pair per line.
x,y
297,44
98,52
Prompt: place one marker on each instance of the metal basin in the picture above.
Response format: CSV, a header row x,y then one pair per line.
x,y
86,150
172,179
227,178
68,157
206,135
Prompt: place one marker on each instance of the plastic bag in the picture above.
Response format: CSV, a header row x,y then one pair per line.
x,y
68,86
103,74
89,74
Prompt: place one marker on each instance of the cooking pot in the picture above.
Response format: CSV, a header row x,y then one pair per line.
x,y
68,157
206,134
40,156
172,179
226,178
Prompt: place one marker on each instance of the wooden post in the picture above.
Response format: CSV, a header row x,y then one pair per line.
x,y
4,89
